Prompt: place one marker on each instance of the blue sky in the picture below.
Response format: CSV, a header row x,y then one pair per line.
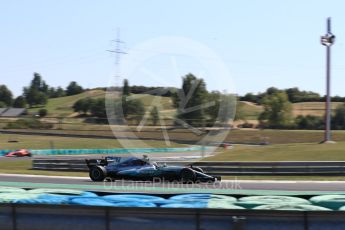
x,y
263,43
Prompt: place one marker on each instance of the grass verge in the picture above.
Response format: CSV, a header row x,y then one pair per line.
x,y
284,152
243,135
13,141
23,166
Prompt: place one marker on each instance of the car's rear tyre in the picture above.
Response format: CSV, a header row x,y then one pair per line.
x,y
97,173
187,175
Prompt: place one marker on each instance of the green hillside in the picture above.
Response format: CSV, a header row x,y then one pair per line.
x,y
284,152
312,108
252,111
62,106
249,110
164,104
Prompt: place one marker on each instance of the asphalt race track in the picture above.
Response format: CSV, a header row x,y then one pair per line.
x,y
224,187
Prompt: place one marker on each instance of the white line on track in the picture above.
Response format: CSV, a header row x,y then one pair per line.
x,y
43,176
286,181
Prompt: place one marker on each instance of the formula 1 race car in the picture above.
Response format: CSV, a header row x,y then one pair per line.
x,y
19,153
133,168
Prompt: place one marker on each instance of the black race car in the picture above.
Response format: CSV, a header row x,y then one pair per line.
x,y
142,169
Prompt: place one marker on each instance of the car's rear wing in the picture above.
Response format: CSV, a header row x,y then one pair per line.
x,y
102,162
96,162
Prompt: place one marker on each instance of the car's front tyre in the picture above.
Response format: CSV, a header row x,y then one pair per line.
x,y
97,173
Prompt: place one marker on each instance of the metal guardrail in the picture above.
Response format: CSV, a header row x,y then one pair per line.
x,y
66,217
59,164
218,168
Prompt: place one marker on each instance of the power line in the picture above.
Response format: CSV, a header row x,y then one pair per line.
x,y
118,52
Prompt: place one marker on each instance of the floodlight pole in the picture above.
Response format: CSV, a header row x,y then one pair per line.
x,y
328,96
328,40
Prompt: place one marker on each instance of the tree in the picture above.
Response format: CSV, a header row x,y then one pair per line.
x,y
83,105
337,99
19,102
309,122
277,110
77,106
124,98
41,98
132,108
154,115
250,97
59,92
73,88
295,95
2,105
135,109
193,96
272,90
42,112
98,108
38,84
56,92
35,97
37,92
223,108
156,91
6,95
126,91
338,120
51,92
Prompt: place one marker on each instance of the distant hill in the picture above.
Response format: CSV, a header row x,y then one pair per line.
x,y
249,110
312,108
252,111
166,104
62,106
